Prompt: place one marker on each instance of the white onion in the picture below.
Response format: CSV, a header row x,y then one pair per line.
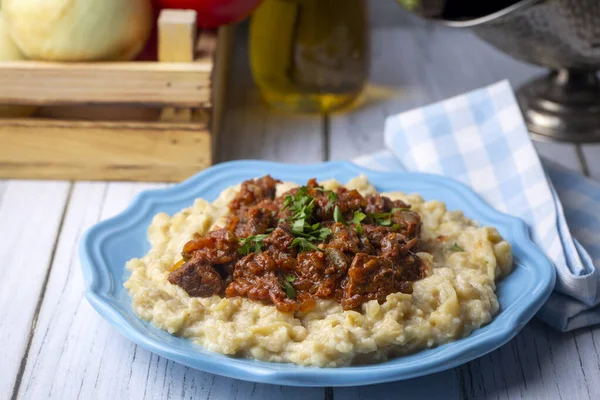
x,y
79,30
8,49
10,52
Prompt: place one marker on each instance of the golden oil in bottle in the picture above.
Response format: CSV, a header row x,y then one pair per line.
x,y
310,55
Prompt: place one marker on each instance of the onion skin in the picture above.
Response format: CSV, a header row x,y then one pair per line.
x,y
79,30
10,52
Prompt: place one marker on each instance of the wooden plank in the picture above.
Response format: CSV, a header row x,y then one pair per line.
x,y
540,363
560,153
592,157
443,385
93,360
103,150
389,13
143,83
253,130
30,217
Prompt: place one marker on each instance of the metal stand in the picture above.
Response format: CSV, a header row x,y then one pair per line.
x,y
562,106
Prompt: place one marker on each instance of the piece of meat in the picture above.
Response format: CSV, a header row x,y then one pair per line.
x,y
256,219
377,204
278,244
409,223
370,278
253,191
198,278
218,247
316,276
256,277
349,201
279,240
413,269
344,238
375,234
393,245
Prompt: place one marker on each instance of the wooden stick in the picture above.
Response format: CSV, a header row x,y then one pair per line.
x,y
176,42
176,35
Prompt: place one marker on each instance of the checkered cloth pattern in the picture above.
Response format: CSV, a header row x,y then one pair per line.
x,y
480,139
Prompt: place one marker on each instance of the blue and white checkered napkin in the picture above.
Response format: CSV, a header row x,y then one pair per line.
x,y
480,138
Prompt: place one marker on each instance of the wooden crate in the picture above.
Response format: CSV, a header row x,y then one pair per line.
x,y
146,121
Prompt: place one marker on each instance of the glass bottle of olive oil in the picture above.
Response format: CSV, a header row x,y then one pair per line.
x,y
310,55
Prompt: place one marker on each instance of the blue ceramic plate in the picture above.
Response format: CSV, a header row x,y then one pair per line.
x,y
107,246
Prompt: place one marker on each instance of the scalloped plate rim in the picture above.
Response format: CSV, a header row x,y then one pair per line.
x,y
450,355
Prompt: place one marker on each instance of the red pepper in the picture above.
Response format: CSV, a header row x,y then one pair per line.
x,y
214,13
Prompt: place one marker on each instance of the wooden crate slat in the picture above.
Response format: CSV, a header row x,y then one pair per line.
x,y
103,151
149,84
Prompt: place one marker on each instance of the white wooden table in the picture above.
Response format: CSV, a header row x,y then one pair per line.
x,y
54,345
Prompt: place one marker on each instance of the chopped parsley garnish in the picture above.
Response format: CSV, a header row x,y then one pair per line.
x,y
251,244
456,247
337,215
385,219
303,244
290,292
356,219
332,196
323,233
302,206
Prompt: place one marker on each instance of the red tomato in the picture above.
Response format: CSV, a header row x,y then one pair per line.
x,y
214,13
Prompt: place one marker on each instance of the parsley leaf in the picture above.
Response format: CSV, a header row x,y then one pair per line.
x,y
322,233
332,196
359,229
456,247
298,225
290,292
251,244
338,216
290,278
356,219
385,222
385,219
303,244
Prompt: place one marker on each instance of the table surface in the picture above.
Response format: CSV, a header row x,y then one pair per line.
x,y
54,345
